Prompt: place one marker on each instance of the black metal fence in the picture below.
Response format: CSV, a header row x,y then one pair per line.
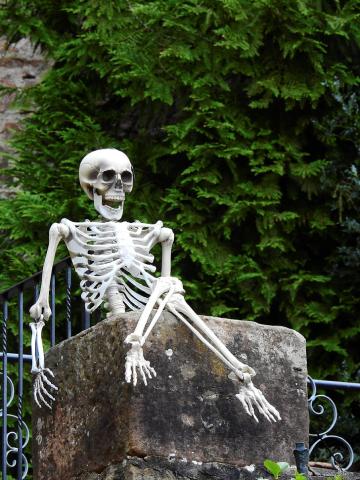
x,y
16,378
16,358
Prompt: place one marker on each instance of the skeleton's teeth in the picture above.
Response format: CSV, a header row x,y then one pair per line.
x,y
114,198
113,202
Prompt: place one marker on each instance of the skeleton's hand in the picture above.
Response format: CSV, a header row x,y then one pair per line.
x,y
40,309
135,359
251,397
41,386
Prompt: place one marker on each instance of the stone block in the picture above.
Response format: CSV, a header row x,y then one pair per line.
x,y
156,468
188,413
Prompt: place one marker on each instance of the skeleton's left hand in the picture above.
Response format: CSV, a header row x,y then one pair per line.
x,y
251,397
135,359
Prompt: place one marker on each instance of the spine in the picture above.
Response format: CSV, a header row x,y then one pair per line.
x,y
115,299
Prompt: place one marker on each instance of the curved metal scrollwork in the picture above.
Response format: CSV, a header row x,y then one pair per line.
x,y
12,436
11,393
323,438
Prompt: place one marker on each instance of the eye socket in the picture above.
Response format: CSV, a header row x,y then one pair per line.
x,y
108,175
92,175
126,176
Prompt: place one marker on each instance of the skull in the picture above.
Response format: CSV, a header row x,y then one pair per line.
x,y
105,176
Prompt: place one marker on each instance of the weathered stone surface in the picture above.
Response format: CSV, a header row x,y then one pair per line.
x,y
317,473
156,468
20,66
188,411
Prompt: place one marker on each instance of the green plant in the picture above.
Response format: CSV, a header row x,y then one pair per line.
x,y
276,469
338,476
299,476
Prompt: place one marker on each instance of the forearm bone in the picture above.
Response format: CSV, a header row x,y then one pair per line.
x,y
164,285
166,238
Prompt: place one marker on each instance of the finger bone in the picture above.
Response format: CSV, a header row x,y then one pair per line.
x,y
36,399
47,381
143,374
43,389
43,399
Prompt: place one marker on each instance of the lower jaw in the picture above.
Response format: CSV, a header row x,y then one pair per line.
x,y
111,213
106,211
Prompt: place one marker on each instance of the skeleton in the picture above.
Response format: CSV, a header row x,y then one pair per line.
x,y
114,263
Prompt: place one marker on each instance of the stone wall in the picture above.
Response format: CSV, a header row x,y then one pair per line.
x,y
187,415
20,67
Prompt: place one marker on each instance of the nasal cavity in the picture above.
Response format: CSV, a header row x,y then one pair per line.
x,y
118,183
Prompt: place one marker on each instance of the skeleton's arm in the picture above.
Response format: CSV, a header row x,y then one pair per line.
x,y
57,232
39,311
135,358
168,292
166,238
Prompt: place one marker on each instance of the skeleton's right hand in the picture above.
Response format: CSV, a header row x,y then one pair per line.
x,y
41,386
40,310
42,383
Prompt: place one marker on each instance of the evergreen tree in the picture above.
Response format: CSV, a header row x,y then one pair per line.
x,y
241,120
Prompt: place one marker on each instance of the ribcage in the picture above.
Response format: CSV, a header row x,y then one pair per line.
x,y
109,254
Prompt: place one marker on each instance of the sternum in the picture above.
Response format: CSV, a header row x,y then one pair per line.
x,y
127,253
124,243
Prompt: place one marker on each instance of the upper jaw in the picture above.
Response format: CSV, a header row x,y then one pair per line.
x,y
115,194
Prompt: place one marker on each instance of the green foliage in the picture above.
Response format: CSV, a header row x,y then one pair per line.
x,y
300,476
242,121
276,469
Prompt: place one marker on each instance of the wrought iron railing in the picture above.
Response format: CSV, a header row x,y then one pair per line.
x,y
15,350
16,360
339,450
